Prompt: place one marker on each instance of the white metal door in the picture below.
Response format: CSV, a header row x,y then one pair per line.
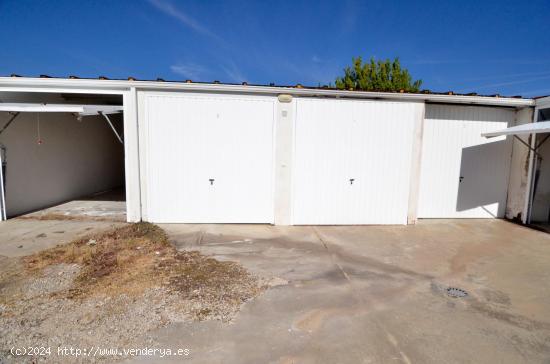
x,y
209,159
351,162
464,175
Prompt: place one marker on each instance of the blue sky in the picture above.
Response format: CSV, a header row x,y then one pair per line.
x,y
466,46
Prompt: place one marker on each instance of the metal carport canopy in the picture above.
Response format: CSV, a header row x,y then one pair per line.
x,y
531,128
81,110
72,108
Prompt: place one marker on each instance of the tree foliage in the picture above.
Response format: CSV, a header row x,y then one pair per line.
x,y
377,76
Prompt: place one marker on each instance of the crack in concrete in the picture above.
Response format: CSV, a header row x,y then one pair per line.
x,y
390,338
330,254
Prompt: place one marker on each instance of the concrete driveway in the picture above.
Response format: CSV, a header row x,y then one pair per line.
x,y
25,236
378,294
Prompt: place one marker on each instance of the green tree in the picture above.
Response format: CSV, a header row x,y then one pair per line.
x,y
377,76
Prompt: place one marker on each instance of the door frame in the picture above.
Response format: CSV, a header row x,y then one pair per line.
x,y
144,122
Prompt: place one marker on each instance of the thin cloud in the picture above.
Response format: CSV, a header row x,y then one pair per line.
x,y
348,17
290,66
323,72
190,70
185,19
233,72
520,61
436,61
540,92
507,76
427,61
510,83
316,59
97,64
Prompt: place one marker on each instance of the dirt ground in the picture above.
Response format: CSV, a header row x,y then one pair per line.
x,y
116,287
337,294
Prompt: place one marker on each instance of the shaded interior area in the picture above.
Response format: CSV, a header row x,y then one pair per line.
x,y
62,163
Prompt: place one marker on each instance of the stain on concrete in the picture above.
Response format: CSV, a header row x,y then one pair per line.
x,y
395,344
469,254
312,320
508,317
497,297
390,305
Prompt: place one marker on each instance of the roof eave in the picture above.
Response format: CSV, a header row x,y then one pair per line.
x,y
38,84
542,102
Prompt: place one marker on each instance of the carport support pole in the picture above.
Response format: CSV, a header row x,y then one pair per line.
x,y
9,122
112,127
416,158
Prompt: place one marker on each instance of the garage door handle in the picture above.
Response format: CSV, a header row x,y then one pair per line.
x,y
211,181
351,181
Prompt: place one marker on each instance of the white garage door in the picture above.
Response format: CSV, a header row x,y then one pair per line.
x,y
209,159
351,162
464,175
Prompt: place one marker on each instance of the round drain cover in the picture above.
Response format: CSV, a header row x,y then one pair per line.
x,y
456,292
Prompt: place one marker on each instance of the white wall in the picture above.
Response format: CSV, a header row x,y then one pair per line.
x,y
486,161
75,159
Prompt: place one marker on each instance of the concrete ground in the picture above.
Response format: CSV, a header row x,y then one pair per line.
x,y
377,294
20,237
107,205
63,223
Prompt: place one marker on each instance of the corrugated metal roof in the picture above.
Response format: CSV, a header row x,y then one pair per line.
x,y
131,78
298,89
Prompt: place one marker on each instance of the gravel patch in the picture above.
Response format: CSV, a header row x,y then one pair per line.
x,y
109,322
112,290
55,278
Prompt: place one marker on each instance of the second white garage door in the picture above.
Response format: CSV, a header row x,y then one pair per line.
x,y
351,162
209,158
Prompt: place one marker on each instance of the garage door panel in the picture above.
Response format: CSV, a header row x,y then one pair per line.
x,y
320,159
193,140
245,162
464,175
383,142
352,162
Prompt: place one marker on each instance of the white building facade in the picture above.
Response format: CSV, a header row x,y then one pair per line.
x,y
215,153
